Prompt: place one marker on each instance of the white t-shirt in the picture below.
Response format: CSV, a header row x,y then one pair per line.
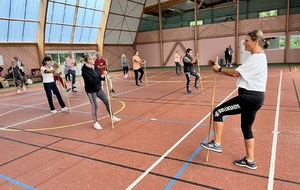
x,y
47,77
254,73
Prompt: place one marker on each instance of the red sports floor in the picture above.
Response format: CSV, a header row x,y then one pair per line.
x,y
156,145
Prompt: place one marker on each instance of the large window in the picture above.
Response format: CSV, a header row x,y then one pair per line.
x,y
295,42
18,20
70,22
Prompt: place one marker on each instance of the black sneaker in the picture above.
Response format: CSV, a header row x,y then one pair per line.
x,y
196,87
112,91
212,146
73,90
68,89
245,163
140,81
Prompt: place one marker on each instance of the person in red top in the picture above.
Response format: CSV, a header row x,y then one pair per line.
x,y
101,63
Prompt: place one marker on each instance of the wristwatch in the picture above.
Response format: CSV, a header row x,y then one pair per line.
x,y
220,69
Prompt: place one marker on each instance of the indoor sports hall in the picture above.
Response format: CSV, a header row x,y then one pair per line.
x,y
158,141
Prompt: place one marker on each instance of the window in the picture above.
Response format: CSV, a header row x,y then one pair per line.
x,y
199,22
268,13
295,42
276,42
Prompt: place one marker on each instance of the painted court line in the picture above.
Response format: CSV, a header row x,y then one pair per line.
x,y
171,149
275,135
17,182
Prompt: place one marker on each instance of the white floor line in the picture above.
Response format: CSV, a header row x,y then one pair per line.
x,y
275,135
172,148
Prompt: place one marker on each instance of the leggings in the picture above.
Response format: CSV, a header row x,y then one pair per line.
x,y
125,70
136,74
93,99
188,78
241,105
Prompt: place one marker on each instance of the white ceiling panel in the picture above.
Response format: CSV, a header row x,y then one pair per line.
x,y
118,6
127,38
115,22
112,36
134,9
130,24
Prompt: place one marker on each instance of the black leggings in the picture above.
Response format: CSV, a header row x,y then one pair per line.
x,y
136,74
241,105
125,70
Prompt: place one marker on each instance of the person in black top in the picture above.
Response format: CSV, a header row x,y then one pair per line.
x,y
93,87
188,63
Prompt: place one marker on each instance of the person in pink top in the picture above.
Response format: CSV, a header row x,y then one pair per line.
x,y
177,63
70,63
136,61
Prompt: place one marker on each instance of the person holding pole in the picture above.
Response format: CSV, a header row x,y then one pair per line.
x,y
188,63
251,83
93,87
136,61
49,85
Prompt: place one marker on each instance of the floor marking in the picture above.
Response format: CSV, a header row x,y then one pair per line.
x,y
275,135
17,182
172,148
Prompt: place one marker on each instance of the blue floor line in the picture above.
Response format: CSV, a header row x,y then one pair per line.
x,y
17,182
187,162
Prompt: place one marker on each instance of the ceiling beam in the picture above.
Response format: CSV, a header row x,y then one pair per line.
x,y
150,9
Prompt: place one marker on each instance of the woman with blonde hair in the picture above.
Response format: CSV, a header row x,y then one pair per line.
x,y
251,82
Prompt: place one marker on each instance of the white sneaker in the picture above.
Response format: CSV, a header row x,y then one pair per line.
x,y
126,76
97,126
53,111
24,88
115,119
65,109
230,66
19,91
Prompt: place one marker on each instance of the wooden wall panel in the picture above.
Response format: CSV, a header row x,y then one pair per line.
x,y
27,53
113,55
294,21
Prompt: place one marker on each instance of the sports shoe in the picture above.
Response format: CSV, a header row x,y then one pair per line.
x,y
140,81
126,76
112,91
65,109
74,90
24,88
97,126
138,84
115,119
231,66
196,87
73,86
26,83
19,91
68,89
245,163
53,111
188,92
212,146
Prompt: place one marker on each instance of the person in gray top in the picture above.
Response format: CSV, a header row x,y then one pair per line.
x,y
124,64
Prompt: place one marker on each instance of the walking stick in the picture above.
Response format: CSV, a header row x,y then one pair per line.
x,y
68,101
108,97
212,108
145,72
200,75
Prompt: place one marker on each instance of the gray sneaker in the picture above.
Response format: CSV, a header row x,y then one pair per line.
x,y
245,163
212,146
